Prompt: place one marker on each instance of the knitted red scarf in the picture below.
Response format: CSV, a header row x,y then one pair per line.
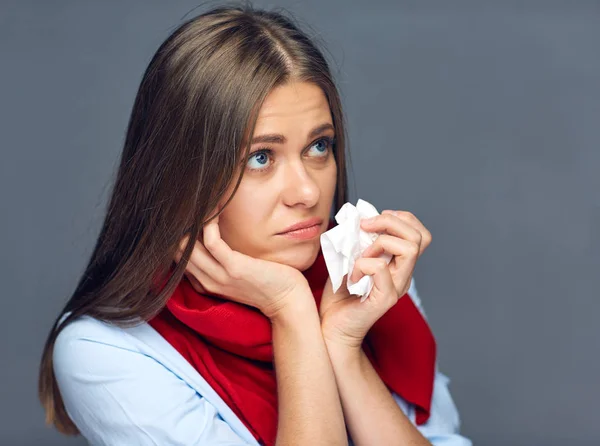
x,y
230,345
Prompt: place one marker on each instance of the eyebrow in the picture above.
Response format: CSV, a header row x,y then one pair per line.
x,y
275,138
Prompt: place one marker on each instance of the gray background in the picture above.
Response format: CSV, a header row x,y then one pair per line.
x,y
482,118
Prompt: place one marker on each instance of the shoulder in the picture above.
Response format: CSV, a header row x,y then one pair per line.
x,y
118,392
89,329
88,344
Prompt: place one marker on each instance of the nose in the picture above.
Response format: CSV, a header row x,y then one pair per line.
x,y
299,188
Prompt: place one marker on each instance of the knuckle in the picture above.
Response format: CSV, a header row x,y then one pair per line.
x,y
227,281
209,287
412,249
380,264
428,237
220,278
199,285
418,237
209,244
378,243
234,272
388,217
380,218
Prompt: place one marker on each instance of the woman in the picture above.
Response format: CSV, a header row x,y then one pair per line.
x,y
205,314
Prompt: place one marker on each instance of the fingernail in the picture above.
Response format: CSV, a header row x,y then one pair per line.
x,y
368,220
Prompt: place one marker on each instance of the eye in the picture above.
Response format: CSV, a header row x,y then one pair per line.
x,y
261,158
323,146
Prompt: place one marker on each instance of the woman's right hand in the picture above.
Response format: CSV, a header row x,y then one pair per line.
x,y
215,268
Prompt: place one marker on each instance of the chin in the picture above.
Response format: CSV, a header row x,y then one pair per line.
x,y
301,256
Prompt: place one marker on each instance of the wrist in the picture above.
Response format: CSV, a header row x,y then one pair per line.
x,y
294,308
343,349
341,339
344,357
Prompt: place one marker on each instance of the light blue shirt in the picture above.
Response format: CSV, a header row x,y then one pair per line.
x,y
131,387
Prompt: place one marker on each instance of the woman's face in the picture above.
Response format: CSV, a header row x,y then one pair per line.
x,y
289,177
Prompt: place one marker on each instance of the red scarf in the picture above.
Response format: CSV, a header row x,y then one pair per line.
x,y
230,345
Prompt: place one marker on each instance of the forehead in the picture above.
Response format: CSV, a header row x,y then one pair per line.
x,y
293,102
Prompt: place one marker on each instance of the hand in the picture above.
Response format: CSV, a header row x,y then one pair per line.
x,y
344,319
215,268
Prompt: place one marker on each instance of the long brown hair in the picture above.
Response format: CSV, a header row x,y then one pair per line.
x,y
197,102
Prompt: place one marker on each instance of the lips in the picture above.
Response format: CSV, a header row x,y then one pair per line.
x,y
303,224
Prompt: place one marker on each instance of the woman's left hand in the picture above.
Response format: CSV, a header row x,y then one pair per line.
x,y
344,319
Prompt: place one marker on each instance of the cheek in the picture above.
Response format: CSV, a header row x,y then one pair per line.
x,y
250,205
329,180
243,212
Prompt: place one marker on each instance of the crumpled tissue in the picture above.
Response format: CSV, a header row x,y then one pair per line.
x,y
343,244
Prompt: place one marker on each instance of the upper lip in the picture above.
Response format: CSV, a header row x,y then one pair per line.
x,y
303,224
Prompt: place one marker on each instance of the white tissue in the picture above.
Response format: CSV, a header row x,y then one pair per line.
x,y
345,243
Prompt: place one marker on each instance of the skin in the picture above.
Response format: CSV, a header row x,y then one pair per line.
x,y
244,257
318,355
297,181
366,401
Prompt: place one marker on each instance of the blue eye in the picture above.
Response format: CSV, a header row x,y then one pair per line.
x,y
262,158
324,143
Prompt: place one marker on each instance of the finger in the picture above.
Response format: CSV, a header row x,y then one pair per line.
x,y
405,255
425,233
391,245
392,225
410,218
201,261
216,246
200,283
378,269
